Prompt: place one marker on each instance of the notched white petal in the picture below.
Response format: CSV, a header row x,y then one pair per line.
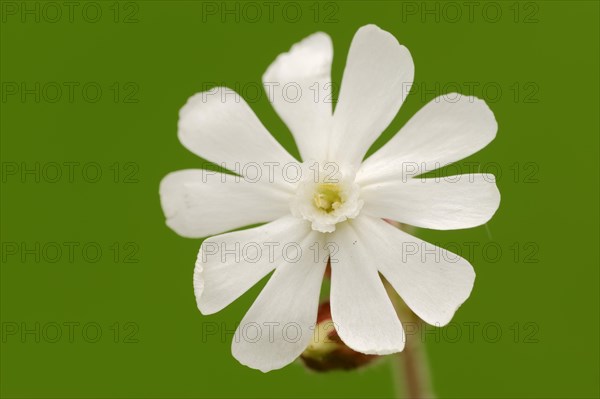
x,y
377,78
441,203
198,203
361,310
298,84
229,264
220,126
432,281
310,57
280,323
449,128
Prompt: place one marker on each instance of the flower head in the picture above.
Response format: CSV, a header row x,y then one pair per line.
x,y
331,206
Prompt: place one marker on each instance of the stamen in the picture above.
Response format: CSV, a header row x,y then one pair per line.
x,y
327,197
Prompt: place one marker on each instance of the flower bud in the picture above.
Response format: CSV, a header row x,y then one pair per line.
x,y
326,350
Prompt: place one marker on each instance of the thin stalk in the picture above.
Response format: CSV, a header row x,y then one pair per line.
x,y
411,369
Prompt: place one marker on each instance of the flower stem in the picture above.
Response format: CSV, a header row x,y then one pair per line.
x,y
411,369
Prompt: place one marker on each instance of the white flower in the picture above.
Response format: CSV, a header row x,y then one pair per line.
x,y
336,206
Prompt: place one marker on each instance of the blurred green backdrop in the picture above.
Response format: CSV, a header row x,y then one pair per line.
x,y
97,294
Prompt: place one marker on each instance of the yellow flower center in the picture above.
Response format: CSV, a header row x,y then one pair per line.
x,y
327,197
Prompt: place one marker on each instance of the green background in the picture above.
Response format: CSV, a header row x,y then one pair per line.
x,y
542,56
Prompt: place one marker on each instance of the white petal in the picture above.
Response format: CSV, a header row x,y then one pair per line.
x,y
432,281
198,203
444,203
448,129
361,310
218,125
298,84
280,323
377,78
229,264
